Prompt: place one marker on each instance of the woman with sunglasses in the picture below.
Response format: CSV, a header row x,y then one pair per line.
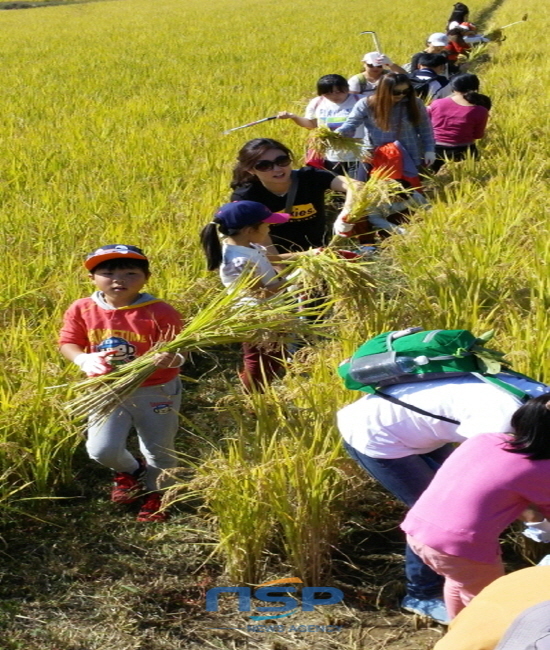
x,y
393,114
263,173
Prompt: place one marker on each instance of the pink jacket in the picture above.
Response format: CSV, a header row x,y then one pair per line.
x,y
479,490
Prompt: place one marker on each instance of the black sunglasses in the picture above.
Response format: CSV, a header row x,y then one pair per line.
x,y
398,93
268,165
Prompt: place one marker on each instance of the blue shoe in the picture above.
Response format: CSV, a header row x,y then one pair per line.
x,y
433,608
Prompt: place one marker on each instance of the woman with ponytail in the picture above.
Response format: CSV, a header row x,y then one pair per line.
x,y
459,120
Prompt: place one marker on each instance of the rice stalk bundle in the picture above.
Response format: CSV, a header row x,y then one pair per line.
x,y
478,54
496,36
346,283
228,318
378,193
322,139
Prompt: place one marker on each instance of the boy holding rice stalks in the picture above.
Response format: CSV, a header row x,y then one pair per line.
x,y
112,327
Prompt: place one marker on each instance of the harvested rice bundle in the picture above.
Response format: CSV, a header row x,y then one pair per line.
x,y
229,318
321,139
379,190
338,277
478,54
377,196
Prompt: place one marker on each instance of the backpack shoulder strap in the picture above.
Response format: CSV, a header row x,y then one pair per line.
x,y
318,102
509,389
416,409
292,191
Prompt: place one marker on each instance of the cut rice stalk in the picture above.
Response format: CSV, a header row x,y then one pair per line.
x,y
322,139
229,318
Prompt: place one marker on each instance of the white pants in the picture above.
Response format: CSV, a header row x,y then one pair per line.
x,y
153,412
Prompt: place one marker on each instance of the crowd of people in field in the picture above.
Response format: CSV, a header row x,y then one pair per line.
x,y
460,499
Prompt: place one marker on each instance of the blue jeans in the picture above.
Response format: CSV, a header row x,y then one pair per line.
x,y
406,478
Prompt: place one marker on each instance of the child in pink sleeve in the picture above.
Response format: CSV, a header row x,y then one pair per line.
x,y
485,485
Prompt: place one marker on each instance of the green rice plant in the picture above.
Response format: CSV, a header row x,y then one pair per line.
x,y
236,500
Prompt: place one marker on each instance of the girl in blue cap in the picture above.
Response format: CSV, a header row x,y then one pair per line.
x,y
242,226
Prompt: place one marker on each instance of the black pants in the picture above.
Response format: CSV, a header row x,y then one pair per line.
x,y
444,153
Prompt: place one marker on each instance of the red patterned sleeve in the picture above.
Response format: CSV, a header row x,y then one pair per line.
x,y
74,328
168,321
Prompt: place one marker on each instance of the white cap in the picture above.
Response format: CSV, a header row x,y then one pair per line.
x,y
373,58
438,39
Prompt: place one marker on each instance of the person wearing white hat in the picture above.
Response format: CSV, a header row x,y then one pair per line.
x,y
435,44
375,65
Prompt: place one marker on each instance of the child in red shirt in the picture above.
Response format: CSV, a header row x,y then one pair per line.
x,y
115,325
457,46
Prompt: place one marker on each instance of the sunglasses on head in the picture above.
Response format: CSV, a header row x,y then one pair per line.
x,y
399,93
268,165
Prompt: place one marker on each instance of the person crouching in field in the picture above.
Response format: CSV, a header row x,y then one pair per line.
x,y
485,485
243,227
456,47
459,120
375,66
114,326
404,447
263,173
435,44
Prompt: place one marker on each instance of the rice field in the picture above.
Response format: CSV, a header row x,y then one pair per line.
x,y
111,131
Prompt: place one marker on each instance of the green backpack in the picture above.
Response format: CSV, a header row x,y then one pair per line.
x,y
416,355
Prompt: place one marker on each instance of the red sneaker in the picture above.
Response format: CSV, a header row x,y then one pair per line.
x,y
127,488
151,508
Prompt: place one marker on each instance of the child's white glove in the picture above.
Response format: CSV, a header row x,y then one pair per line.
x,y
93,364
429,158
538,531
341,227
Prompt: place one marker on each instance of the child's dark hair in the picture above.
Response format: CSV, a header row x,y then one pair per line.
x,y
531,425
468,85
211,244
327,84
460,11
249,155
122,263
432,60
